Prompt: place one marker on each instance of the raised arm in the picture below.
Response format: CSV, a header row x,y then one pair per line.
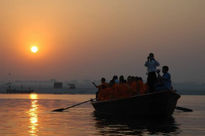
x,y
146,63
157,63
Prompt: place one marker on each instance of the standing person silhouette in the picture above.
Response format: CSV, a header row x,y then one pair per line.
x,y
151,65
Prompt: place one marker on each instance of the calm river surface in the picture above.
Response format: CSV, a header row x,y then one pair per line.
x,y
30,115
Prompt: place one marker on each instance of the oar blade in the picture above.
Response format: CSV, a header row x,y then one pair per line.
x,y
184,109
58,110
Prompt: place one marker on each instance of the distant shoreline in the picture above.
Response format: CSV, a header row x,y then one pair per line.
x,y
197,92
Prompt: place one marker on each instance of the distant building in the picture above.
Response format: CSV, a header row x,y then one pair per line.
x,y
71,86
58,85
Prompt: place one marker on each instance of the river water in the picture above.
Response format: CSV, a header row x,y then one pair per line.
x,y
30,115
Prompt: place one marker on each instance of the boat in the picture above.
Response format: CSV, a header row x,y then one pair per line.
x,y
21,91
160,103
14,90
71,86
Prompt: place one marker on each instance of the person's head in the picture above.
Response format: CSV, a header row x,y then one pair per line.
x,y
129,77
103,80
115,77
140,78
135,78
122,80
151,55
165,69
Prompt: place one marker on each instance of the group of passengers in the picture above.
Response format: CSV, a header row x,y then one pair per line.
x,y
121,88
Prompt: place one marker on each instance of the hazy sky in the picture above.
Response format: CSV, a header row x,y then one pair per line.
x,y
88,39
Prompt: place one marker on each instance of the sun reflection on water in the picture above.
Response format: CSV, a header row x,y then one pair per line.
x,y
33,115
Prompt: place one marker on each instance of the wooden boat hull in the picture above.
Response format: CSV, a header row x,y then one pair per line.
x,y
160,103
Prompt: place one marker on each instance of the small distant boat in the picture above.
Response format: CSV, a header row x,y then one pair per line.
x,y
161,103
22,91
72,86
58,85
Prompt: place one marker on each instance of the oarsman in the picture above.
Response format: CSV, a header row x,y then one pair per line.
x,y
103,85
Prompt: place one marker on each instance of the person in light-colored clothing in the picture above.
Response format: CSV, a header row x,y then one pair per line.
x,y
151,65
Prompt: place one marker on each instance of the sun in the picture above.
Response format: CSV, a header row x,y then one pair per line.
x,y
34,49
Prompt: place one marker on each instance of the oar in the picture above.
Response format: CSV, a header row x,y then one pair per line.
x,y
184,109
62,109
94,84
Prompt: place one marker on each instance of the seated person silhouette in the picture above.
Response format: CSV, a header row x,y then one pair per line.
x,y
164,81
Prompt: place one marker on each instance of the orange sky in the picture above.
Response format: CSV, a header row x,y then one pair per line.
x,y
89,39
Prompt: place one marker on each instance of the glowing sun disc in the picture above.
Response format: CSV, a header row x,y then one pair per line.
x,y
33,96
34,49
